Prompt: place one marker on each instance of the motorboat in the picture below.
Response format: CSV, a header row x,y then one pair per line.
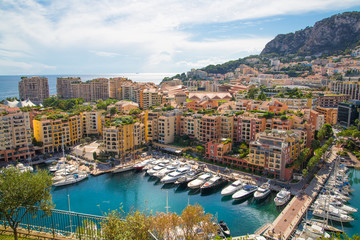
x,y
71,179
50,161
325,206
282,197
332,215
173,176
142,164
314,231
224,228
191,175
198,182
165,171
213,182
232,188
155,169
245,192
263,191
24,168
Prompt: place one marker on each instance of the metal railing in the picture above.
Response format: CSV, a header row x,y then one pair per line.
x,y
62,223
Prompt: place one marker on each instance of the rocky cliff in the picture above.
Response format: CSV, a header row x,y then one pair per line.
x,y
329,35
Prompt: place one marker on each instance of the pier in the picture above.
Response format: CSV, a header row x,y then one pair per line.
x,y
288,220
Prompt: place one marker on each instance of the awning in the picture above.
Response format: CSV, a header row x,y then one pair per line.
x,y
174,150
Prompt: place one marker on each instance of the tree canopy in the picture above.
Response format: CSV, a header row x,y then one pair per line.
x,y
22,193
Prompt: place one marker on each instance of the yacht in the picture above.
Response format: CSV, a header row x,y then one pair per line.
x,y
282,197
155,169
232,188
245,192
314,231
224,228
141,165
123,168
198,182
24,168
172,177
191,175
71,179
165,171
213,182
332,215
263,191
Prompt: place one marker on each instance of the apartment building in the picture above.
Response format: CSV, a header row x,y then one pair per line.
x,y
166,129
314,118
15,135
57,130
330,114
63,86
331,100
150,97
203,104
151,126
227,127
190,125
273,150
246,128
139,134
296,103
116,85
348,113
209,128
92,123
34,88
349,88
119,140
216,150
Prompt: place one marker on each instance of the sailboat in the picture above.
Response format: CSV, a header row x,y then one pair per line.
x,y
70,178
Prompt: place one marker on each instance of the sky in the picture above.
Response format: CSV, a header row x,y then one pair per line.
x,y
145,36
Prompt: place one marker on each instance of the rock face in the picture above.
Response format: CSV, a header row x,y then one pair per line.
x,y
329,35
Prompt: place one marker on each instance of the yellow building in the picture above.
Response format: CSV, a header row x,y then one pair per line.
x,y
57,130
92,122
119,140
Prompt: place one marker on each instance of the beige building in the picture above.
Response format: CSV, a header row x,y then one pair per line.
x,y
15,135
210,128
330,114
227,127
119,140
166,129
92,124
273,150
63,86
151,126
150,97
34,88
139,134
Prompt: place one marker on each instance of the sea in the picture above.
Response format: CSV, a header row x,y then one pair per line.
x,y
10,83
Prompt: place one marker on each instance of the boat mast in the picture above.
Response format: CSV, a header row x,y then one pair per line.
x,y
167,202
69,213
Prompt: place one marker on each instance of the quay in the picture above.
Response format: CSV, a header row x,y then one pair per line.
x,y
288,220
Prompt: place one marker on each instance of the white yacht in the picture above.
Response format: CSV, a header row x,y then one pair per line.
x,y
332,215
245,192
155,169
213,182
123,168
172,177
142,164
24,168
165,171
314,231
263,191
232,188
199,181
71,179
191,175
282,197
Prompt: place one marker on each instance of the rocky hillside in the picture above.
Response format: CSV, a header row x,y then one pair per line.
x,y
329,35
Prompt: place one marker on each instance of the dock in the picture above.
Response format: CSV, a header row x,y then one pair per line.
x,y
288,220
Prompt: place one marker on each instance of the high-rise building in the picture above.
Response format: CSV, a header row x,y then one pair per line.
x,y
349,88
15,135
63,86
34,88
348,112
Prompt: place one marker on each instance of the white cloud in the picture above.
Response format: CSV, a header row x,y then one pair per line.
x,y
150,29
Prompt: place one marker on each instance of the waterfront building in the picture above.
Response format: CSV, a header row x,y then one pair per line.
x,y
15,135
330,114
166,129
35,89
151,126
273,150
296,103
190,125
348,112
119,139
349,88
216,150
139,134
63,86
57,129
209,128
331,100
227,127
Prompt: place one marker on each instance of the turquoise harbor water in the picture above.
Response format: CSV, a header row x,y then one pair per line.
x,y
135,190
100,194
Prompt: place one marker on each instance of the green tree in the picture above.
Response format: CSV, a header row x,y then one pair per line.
x,y
113,111
23,193
315,144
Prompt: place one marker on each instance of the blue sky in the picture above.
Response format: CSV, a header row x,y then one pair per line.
x,y
122,36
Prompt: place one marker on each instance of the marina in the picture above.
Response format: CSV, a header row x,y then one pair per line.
x,y
138,190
